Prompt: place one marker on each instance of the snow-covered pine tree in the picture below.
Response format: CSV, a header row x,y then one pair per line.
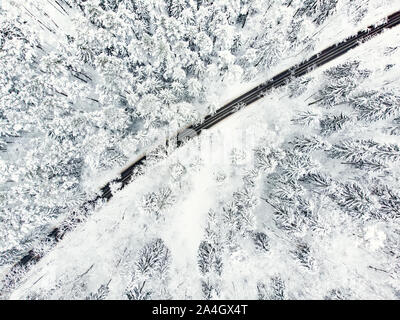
x,y
274,290
150,275
356,150
330,124
261,241
303,253
307,143
157,202
305,118
375,105
139,292
355,200
319,10
209,258
340,82
100,294
389,201
154,258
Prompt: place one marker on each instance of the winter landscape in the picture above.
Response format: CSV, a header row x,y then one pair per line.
x,y
295,196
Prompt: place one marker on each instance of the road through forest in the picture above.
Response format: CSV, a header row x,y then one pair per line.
x,y
18,270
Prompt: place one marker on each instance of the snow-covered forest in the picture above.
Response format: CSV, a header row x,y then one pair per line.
x,y
294,197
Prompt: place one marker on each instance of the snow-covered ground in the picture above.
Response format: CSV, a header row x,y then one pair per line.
x,y
267,204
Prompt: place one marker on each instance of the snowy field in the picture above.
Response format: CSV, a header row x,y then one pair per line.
x,y
293,197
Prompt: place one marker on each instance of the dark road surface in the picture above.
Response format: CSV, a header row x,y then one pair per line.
x,y
105,194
